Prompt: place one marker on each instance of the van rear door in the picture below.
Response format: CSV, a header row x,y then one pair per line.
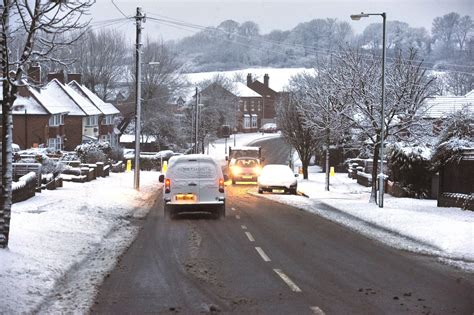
x,y
184,178
209,176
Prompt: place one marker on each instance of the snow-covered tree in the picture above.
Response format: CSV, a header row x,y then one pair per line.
x,y
320,105
407,87
36,29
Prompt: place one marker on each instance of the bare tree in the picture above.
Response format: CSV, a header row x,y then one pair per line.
x,y
218,107
100,58
36,29
407,87
292,125
162,82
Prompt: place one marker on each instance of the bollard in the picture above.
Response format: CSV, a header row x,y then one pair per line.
x,y
331,171
129,166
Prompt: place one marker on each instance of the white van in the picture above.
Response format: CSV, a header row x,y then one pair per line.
x,y
193,183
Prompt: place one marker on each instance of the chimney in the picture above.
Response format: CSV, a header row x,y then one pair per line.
x,y
74,77
34,74
266,78
23,91
249,79
58,76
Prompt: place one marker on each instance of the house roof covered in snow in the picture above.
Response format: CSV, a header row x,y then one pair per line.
x,y
441,106
48,101
83,102
28,105
56,90
105,108
242,90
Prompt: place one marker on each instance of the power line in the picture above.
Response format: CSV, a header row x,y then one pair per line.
x,y
116,6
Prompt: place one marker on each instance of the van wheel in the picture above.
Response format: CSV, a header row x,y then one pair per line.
x,y
260,191
233,181
169,213
220,212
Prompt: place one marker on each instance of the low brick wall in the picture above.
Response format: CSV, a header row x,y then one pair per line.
x,y
25,187
463,201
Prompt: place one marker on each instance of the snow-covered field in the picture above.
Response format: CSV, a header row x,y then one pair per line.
x,y
63,242
411,224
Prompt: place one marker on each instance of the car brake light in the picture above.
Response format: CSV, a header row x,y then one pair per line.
x,y
167,186
221,185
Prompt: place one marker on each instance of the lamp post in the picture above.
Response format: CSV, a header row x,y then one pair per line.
x,y
357,17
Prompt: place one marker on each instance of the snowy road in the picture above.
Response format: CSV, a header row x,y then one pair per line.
x,y
268,258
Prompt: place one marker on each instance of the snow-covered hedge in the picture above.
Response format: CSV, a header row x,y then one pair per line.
x,y
410,166
98,152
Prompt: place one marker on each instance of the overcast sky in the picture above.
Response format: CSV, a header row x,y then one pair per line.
x,y
271,15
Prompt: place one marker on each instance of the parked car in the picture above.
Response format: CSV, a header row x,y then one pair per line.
x,y
277,178
269,127
193,183
244,169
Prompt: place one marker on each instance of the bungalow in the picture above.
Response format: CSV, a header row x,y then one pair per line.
x,y
439,107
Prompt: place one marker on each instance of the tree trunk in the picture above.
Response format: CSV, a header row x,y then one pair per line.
x,y
6,159
6,191
373,193
304,165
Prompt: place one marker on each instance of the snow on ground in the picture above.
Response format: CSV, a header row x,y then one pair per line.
x,y
63,242
411,224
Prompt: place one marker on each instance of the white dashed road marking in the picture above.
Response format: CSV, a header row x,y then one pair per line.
x,y
317,311
262,254
233,209
244,227
238,217
250,237
287,280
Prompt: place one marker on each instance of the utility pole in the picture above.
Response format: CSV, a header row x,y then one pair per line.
x,y
196,115
139,18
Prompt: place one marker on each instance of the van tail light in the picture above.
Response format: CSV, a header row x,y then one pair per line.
x,y
167,185
221,185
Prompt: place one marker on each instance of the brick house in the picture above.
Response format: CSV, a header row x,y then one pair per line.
x,y
269,96
244,102
107,130
250,108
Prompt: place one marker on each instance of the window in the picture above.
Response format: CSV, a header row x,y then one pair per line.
x,y
106,138
246,122
92,121
245,106
259,106
252,105
240,105
56,143
108,120
254,121
56,120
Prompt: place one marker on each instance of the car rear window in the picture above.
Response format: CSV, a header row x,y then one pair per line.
x,y
193,169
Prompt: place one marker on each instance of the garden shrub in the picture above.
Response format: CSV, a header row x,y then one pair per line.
x,y
410,166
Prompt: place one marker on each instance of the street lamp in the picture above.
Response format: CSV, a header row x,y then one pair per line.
x,y
357,17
